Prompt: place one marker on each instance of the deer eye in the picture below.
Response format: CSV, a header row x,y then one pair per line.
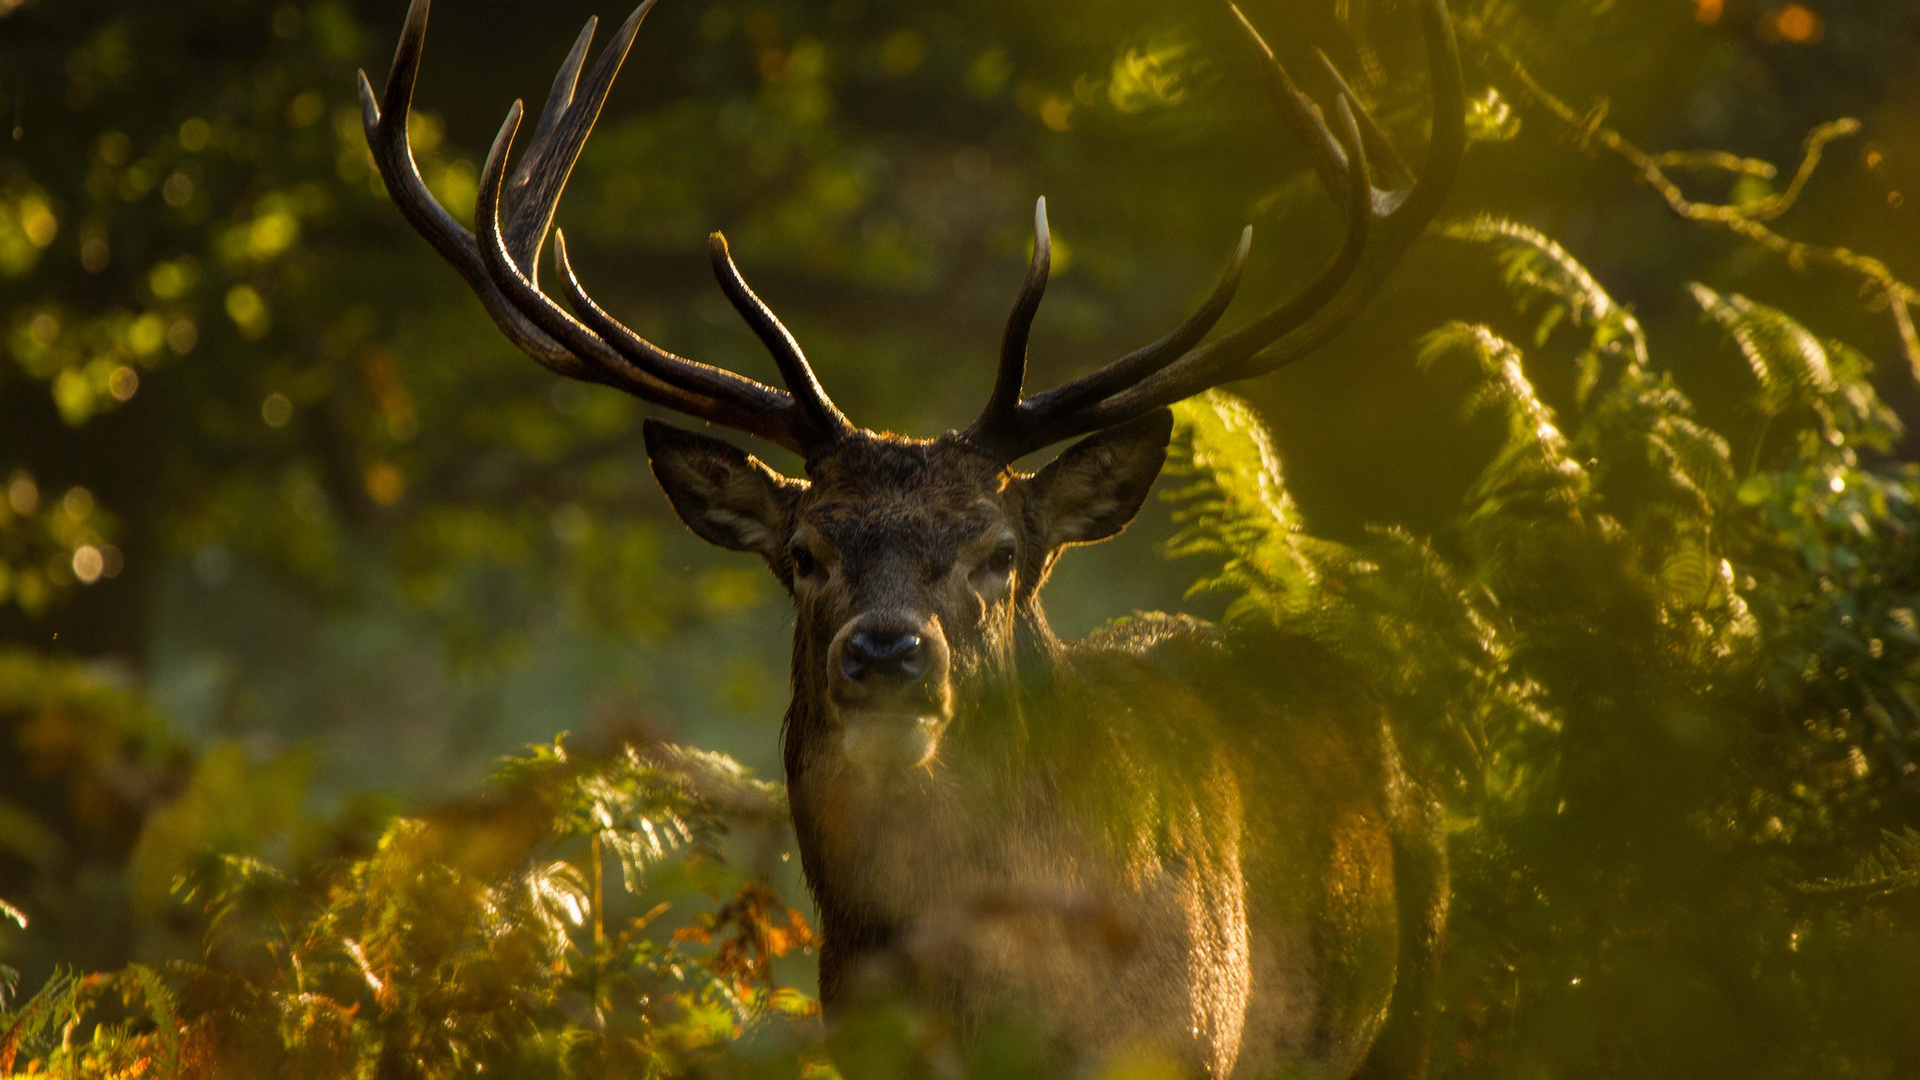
x,y
1001,561
803,561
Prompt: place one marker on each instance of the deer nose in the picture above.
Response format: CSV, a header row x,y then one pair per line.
x,y
892,655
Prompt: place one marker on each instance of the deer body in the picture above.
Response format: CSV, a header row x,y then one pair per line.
x,y
1168,843
1124,847
1246,926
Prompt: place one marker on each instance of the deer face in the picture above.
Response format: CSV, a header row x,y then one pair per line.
x,y
910,562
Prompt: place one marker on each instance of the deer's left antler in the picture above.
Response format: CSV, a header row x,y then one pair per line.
x,y
1381,225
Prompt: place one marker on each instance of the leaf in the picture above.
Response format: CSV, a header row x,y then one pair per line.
x,y
1893,868
1539,272
1789,363
1535,463
1687,573
1234,505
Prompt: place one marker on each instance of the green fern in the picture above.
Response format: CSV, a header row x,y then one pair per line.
x,y
472,939
1891,870
1788,362
1234,507
1544,277
1533,466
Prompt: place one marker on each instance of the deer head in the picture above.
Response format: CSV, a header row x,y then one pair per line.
x,y
914,563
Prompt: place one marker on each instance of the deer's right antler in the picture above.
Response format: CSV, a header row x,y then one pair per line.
x,y
499,263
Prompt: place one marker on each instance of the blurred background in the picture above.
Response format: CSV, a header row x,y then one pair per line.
x,y
278,495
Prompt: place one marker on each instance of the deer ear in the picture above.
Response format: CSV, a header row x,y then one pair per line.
x,y
1090,492
724,494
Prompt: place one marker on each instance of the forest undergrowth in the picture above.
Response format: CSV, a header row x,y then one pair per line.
x,y
1666,678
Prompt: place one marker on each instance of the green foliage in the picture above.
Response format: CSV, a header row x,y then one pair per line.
x,y
477,938
1675,711
48,546
270,472
86,762
1886,873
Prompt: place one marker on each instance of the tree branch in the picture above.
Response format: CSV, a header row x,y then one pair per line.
x,y
1748,222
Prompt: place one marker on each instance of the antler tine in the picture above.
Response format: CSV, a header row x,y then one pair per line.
x,y
1380,227
565,82
690,375
1299,111
1004,402
565,122
1447,146
385,119
1411,209
1011,430
641,368
1149,359
828,422
1197,369
498,263
1387,162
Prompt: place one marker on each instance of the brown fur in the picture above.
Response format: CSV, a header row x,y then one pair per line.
x,y
1168,841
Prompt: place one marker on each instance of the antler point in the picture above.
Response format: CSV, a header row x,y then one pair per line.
x,y
632,24
417,16
369,102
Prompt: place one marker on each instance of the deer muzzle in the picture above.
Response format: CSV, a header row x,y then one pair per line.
x,y
888,681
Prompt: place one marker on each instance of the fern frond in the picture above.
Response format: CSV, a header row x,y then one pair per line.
x,y
1864,419
1235,505
1789,363
1540,273
36,1015
1534,462
1695,458
1894,868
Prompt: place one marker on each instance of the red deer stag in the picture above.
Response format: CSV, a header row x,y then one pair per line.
x,y
1169,840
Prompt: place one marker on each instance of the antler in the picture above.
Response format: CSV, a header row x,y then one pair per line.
x,y
499,263
1381,225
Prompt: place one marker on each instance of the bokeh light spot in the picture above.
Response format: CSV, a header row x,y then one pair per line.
x,y
37,221
305,109
1057,114
123,383
902,53
182,336
23,494
147,335
1794,24
386,483
88,564
178,190
248,311
194,134
95,253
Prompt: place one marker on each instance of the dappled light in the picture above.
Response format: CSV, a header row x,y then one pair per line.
x,y
1509,666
